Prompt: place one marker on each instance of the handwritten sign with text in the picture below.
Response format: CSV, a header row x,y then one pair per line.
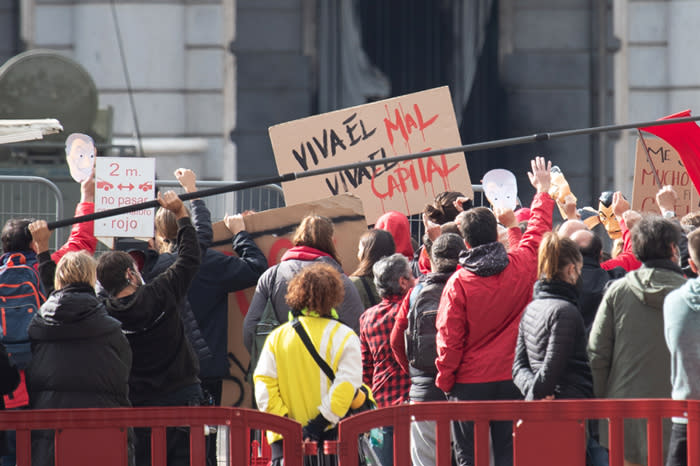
x,y
123,181
412,123
671,171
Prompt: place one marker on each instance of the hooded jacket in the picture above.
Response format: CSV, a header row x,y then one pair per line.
x,y
550,355
627,351
396,223
80,359
681,330
164,360
481,305
273,284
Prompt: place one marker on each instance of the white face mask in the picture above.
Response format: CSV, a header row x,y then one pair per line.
x,y
501,188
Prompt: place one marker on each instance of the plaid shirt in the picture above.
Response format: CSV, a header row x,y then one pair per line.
x,y
390,384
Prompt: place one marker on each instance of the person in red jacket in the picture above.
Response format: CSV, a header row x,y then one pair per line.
x,y
479,313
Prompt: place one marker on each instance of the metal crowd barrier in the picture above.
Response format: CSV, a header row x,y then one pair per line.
x,y
32,197
544,432
258,199
86,437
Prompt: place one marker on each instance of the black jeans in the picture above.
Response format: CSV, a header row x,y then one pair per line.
x,y
678,446
501,431
177,438
213,388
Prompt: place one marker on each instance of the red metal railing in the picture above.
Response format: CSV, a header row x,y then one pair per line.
x,y
545,432
98,436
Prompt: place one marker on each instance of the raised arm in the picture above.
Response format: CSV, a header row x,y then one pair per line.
x,y
47,266
201,217
177,278
82,235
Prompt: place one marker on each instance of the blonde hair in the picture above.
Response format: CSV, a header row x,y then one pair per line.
x,y
75,267
166,230
554,254
618,246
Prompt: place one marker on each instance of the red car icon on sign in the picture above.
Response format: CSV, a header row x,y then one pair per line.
x,y
106,185
147,186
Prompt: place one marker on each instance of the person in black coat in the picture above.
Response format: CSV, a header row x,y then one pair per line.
x,y
165,368
594,278
80,358
550,355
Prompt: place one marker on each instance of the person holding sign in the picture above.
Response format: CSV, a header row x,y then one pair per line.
x,y
476,336
165,369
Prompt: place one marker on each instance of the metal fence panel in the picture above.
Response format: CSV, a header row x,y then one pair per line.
x,y
32,197
258,199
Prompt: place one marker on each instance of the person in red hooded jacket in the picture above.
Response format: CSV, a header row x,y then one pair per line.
x,y
479,313
396,223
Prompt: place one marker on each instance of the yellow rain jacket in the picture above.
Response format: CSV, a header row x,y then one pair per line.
x,y
288,382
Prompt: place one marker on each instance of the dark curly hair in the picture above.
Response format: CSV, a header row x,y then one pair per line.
x,y
442,210
318,287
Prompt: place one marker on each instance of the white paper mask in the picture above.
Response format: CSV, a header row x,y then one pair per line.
x,y
500,188
80,155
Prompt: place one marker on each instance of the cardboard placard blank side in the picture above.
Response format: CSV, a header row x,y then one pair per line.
x,y
272,231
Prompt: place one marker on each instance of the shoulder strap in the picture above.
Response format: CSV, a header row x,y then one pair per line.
x,y
414,295
370,296
310,346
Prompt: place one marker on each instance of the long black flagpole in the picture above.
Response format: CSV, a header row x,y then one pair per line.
x,y
539,137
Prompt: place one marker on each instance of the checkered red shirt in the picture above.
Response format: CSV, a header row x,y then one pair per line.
x,y
390,384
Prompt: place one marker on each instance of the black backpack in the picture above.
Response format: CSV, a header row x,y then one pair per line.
x,y
421,349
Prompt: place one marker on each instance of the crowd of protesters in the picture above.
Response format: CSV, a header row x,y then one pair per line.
x,y
492,305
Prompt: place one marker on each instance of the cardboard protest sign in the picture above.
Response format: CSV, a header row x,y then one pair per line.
x,y
411,123
671,171
272,231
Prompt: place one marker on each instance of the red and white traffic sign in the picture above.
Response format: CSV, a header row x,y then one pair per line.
x,y
122,181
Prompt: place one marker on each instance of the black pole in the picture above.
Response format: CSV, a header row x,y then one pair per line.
x,y
370,163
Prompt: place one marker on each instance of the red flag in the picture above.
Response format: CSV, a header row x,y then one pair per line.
x,y
685,138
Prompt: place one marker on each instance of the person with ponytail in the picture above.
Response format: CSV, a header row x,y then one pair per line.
x,y
550,355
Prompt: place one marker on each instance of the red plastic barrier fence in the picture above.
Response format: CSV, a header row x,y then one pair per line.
x,y
85,437
545,432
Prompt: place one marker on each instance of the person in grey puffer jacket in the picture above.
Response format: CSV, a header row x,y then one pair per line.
x,y
550,354
681,330
313,242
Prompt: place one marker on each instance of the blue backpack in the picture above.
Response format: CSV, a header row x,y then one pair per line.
x,y
21,296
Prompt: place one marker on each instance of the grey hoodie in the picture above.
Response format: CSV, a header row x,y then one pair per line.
x,y
681,329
